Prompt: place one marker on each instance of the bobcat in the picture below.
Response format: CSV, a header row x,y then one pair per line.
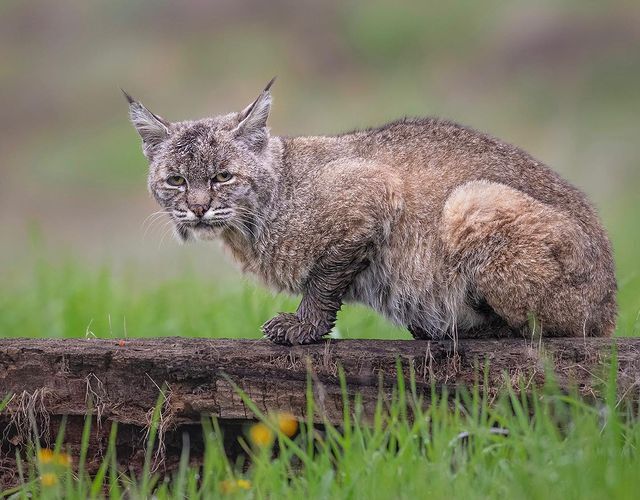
x,y
442,229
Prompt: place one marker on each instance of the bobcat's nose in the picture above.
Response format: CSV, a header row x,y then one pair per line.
x,y
199,210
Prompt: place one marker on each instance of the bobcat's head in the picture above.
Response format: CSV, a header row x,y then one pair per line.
x,y
209,174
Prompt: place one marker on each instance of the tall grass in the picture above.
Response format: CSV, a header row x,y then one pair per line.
x,y
68,299
543,445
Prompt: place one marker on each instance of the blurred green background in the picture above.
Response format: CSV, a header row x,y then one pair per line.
x,y
560,79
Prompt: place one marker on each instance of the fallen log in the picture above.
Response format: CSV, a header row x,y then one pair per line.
x,y
122,379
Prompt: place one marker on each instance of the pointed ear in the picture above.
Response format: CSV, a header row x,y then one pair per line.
x,y
252,126
152,129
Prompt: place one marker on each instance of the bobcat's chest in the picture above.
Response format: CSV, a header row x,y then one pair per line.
x,y
279,269
268,262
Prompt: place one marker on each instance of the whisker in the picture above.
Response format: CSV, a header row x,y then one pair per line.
x,y
153,216
243,228
150,222
164,235
154,223
250,218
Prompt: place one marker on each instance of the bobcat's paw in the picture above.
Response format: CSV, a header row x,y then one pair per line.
x,y
288,329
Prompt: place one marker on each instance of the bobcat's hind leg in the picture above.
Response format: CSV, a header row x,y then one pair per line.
x,y
526,260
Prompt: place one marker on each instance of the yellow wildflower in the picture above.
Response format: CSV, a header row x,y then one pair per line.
x,y
49,479
45,455
232,485
260,434
243,484
287,424
63,459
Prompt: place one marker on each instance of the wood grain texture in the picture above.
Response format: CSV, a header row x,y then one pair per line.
x,y
50,378
125,379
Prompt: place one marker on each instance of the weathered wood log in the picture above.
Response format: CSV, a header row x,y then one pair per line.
x,y
49,378
124,377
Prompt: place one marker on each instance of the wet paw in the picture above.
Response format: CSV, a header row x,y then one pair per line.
x,y
288,329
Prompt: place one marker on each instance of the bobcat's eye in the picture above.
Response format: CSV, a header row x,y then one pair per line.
x,y
176,180
223,177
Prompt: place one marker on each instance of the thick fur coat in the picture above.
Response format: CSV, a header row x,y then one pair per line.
x,y
440,228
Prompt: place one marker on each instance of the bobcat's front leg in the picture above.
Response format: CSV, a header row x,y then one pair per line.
x,y
326,285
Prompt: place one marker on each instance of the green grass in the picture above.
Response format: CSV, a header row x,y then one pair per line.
x,y
549,445
67,299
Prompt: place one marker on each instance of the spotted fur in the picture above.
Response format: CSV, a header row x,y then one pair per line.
x,y
442,229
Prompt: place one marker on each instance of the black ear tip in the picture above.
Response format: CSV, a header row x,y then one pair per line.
x,y
129,99
268,87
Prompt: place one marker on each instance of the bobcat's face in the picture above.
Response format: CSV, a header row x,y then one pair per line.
x,y
208,180
212,174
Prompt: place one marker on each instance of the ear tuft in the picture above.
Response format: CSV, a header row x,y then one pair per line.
x,y
268,87
129,99
252,126
152,129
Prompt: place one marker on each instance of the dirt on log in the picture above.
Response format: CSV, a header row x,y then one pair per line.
x,y
50,378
